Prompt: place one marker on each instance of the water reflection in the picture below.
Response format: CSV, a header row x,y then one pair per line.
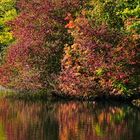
x,y
21,120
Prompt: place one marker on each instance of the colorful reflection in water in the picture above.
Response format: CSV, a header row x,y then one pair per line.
x,y
22,120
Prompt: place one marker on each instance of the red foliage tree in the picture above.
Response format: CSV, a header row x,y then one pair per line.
x,y
40,35
100,61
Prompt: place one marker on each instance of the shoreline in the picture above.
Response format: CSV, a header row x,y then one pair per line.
x,y
57,96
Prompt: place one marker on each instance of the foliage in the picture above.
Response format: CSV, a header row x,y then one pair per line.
x,y
130,13
118,14
85,45
100,59
7,13
40,35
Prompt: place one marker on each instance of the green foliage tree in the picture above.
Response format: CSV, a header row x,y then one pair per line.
x,y
7,13
118,14
129,12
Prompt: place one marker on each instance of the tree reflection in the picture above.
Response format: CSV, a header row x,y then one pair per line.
x,y
84,122
21,120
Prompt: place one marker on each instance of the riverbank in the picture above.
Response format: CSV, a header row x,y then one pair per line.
x,y
55,96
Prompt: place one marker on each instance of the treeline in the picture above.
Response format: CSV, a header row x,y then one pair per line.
x,y
77,47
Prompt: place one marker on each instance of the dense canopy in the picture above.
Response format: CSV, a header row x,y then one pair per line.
x,y
75,47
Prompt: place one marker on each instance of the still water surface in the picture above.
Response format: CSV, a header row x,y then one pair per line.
x,y
26,120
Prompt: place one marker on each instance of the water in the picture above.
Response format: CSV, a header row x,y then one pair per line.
x,y
24,120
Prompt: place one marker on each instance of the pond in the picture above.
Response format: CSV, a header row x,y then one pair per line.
x,y
43,120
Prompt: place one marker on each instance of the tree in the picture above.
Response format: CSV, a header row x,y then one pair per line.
x,y
40,36
7,13
101,61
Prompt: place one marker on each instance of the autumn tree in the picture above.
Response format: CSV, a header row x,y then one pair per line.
x,y
40,35
101,61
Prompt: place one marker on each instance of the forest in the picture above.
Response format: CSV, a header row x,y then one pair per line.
x,y
72,48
